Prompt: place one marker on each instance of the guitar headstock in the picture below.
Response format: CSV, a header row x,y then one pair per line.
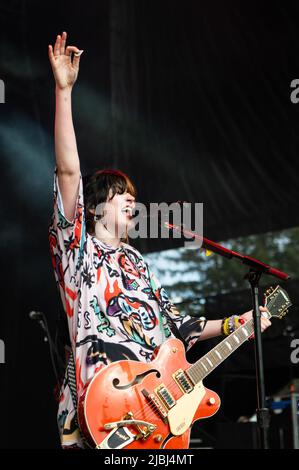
x,y
277,301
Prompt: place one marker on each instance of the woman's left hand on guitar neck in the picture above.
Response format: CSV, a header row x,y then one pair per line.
x,y
265,322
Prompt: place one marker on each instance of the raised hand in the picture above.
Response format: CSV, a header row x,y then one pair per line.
x,y
64,69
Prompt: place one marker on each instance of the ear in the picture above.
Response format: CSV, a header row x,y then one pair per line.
x,y
110,195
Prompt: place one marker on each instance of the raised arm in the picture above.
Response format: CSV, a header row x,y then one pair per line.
x,y
65,72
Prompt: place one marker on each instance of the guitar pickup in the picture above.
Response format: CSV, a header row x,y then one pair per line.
x,y
183,381
165,396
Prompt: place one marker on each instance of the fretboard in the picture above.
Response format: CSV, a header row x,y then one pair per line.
x,y
217,355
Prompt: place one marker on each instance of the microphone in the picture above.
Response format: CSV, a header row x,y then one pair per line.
x,y
33,315
40,318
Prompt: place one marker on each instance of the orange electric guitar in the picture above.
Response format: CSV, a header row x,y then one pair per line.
x,y
136,405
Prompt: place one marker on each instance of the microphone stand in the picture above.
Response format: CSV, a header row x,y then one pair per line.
x,y
256,269
42,321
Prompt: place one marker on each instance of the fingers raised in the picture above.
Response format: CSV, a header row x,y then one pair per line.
x,y
57,46
63,41
51,55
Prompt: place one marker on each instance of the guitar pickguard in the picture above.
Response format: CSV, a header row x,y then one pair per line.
x,y
180,417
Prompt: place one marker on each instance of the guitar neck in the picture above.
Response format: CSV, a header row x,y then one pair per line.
x,y
217,355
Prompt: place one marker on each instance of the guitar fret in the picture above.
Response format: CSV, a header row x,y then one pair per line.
x,y
210,362
194,375
245,332
217,355
213,357
227,346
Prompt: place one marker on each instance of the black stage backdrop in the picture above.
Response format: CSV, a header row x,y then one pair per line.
x,y
191,99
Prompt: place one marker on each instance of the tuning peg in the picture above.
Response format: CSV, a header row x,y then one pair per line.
x,y
283,314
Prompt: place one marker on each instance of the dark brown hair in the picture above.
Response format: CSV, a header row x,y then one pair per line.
x,y
96,189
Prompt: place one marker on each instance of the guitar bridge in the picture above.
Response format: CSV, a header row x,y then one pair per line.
x,y
156,404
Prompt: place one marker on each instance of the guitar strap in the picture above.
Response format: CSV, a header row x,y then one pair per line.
x,y
71,377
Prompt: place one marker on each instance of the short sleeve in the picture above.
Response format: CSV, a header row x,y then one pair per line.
x,y
67,240
189,327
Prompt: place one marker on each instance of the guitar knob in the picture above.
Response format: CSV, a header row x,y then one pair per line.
x,y
211,401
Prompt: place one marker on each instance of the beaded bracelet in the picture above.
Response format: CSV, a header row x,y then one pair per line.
x,y
224,327
233,323
230,324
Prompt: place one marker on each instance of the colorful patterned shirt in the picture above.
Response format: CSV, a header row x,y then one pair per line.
x,y
113,302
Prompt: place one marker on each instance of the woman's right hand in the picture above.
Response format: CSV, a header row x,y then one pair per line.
x,y
64,69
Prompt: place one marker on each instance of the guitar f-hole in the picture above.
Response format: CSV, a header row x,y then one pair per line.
x,y
136,380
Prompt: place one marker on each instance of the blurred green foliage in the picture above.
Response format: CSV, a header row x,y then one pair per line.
x,y
188,273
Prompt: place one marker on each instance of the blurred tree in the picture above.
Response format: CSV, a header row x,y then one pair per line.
x,y
188,273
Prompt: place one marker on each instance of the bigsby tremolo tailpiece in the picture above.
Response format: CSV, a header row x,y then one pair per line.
x,y
143,428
